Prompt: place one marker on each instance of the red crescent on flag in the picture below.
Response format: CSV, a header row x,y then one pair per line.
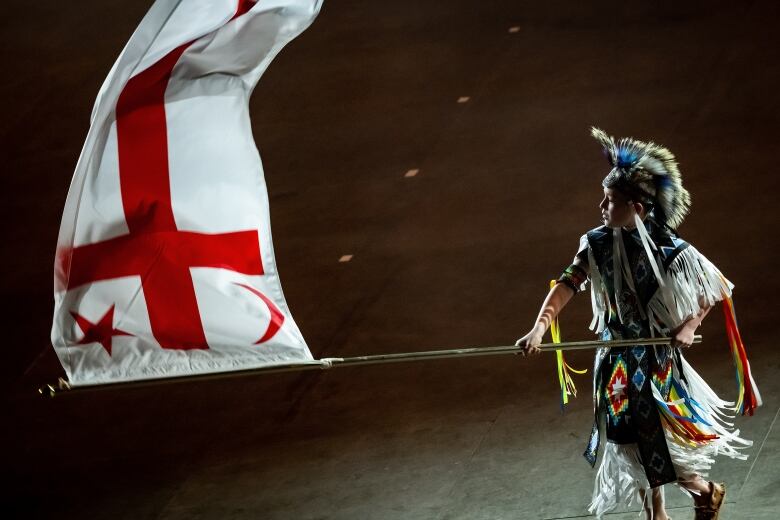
x,y
277,318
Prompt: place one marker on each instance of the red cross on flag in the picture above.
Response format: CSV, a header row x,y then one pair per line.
x,y
165,265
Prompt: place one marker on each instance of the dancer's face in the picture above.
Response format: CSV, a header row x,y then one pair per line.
x,y
617,210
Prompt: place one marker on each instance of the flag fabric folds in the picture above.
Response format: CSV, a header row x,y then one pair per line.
x,y
165,264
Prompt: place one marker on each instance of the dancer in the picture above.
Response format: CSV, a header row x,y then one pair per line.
x,y
663,423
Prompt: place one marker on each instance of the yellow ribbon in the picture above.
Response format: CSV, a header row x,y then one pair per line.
x,y
564,369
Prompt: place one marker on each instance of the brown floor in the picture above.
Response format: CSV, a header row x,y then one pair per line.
x,y
458,255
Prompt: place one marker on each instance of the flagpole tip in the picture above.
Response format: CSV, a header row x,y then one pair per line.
x,y
52,391
47,391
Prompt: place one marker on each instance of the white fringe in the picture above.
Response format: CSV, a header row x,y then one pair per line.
x,y
692,283
621,477
598,296
650,247
622,272
719,413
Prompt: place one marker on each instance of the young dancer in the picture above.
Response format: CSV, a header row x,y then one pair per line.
x,y
662,422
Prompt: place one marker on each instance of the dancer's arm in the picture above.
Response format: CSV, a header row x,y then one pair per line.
x,y
682,336
556,300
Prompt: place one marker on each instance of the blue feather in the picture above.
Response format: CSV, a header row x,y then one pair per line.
x,y
626,158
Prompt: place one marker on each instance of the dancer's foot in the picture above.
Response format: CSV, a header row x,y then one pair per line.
x,y
707,505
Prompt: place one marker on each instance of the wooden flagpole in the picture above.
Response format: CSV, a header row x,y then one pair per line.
x,y
63,387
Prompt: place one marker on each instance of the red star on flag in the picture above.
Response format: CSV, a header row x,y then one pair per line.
x,y
100,332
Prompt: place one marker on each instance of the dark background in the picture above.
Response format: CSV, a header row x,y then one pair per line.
x,y
459,255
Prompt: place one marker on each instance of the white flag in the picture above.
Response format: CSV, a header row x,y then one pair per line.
x,y
165,265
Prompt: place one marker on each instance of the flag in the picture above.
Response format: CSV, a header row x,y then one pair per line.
x,y
165,264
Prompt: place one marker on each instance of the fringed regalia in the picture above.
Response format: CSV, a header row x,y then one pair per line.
x,y
662,422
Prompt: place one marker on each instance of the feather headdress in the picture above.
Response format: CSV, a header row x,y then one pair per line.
x,y
648,172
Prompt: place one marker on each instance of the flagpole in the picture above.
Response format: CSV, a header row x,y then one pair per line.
x,y
63,387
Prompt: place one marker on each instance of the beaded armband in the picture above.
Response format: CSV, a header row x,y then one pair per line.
x,y
575,277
